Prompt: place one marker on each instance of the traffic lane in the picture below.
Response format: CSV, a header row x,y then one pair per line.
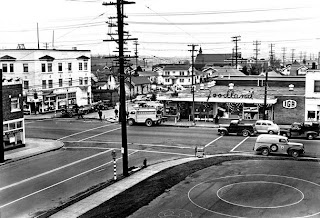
x,y
251,188
225,144
161,135
57,129
57,194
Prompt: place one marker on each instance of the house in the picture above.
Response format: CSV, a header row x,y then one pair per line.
x,y
221,72
52,79
294,70
139,85
13,120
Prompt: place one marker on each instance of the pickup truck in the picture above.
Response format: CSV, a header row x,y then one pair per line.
x,y
239,128
309,130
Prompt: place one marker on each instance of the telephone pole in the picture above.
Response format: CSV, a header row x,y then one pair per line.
x,y
192,80
292,55
1,118
283,55
271,55
256,43
121,59
236,39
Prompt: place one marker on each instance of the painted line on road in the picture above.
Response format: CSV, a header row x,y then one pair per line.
x,y
235,147
163,152
53,170
84,131
212,141
99,134
51,186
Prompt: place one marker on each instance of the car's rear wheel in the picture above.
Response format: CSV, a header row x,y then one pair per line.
x,y
310,136
270,132
245,133
294,153
148,122
265,152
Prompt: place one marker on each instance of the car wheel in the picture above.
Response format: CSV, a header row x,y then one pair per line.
x,y
274,148
270,132
245,133
223,133
148,122
265,151
130,122
310,136
294,153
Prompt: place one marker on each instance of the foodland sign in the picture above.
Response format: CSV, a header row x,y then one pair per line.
x,y
289,104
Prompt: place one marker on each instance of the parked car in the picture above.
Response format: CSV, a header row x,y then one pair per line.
x,y
86,109
239,128
309,130
266,144
267,126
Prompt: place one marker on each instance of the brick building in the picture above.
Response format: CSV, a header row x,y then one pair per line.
x,y
13,121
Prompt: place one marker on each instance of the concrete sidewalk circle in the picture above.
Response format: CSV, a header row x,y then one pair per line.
x,y
257,192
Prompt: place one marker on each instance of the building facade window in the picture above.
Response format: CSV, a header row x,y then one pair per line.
x,y
80,65
4,68
60,67
69,66
86,80
26,84
44,84
166,73
167,80
181,80
49,67
317,86
60,82
181,73
70,81
25,68
43,67
85,65
15,104
80,81
311,115
11,68
50,84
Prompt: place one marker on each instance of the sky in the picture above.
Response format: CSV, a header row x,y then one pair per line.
x,y
165,28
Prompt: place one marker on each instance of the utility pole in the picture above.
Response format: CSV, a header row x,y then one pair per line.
x,y
301,57
236,39
192,80
256,43
265,97
271,56
292,55
120,15
283,55
1,118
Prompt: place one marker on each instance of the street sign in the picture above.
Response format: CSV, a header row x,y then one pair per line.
x,y
114,154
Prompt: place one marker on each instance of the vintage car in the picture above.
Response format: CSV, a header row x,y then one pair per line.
x,y
239,128
309,130
267,126
266,144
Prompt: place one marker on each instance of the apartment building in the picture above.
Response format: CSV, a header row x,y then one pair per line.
x,y
52,79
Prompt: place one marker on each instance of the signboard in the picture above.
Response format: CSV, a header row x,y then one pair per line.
x,y
289,104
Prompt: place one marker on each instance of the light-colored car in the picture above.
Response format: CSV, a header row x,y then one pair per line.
x,y
267,126
266,144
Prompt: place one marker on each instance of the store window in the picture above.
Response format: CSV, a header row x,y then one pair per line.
x,y
15,104
311,115
317,86
44,84
25,84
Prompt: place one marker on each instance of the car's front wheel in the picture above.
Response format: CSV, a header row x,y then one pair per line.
x,y
223,133
130,122
294,153
148,122
245,133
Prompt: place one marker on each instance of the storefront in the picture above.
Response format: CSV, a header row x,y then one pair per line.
x,y
13,133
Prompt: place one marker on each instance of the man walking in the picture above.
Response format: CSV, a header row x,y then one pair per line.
x,y
100,115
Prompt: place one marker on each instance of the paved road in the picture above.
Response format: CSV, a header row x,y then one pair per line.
x,y
46,181
251,189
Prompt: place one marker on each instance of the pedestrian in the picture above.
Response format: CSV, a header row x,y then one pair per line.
x,y
116,112
80,113
100,114
216,119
